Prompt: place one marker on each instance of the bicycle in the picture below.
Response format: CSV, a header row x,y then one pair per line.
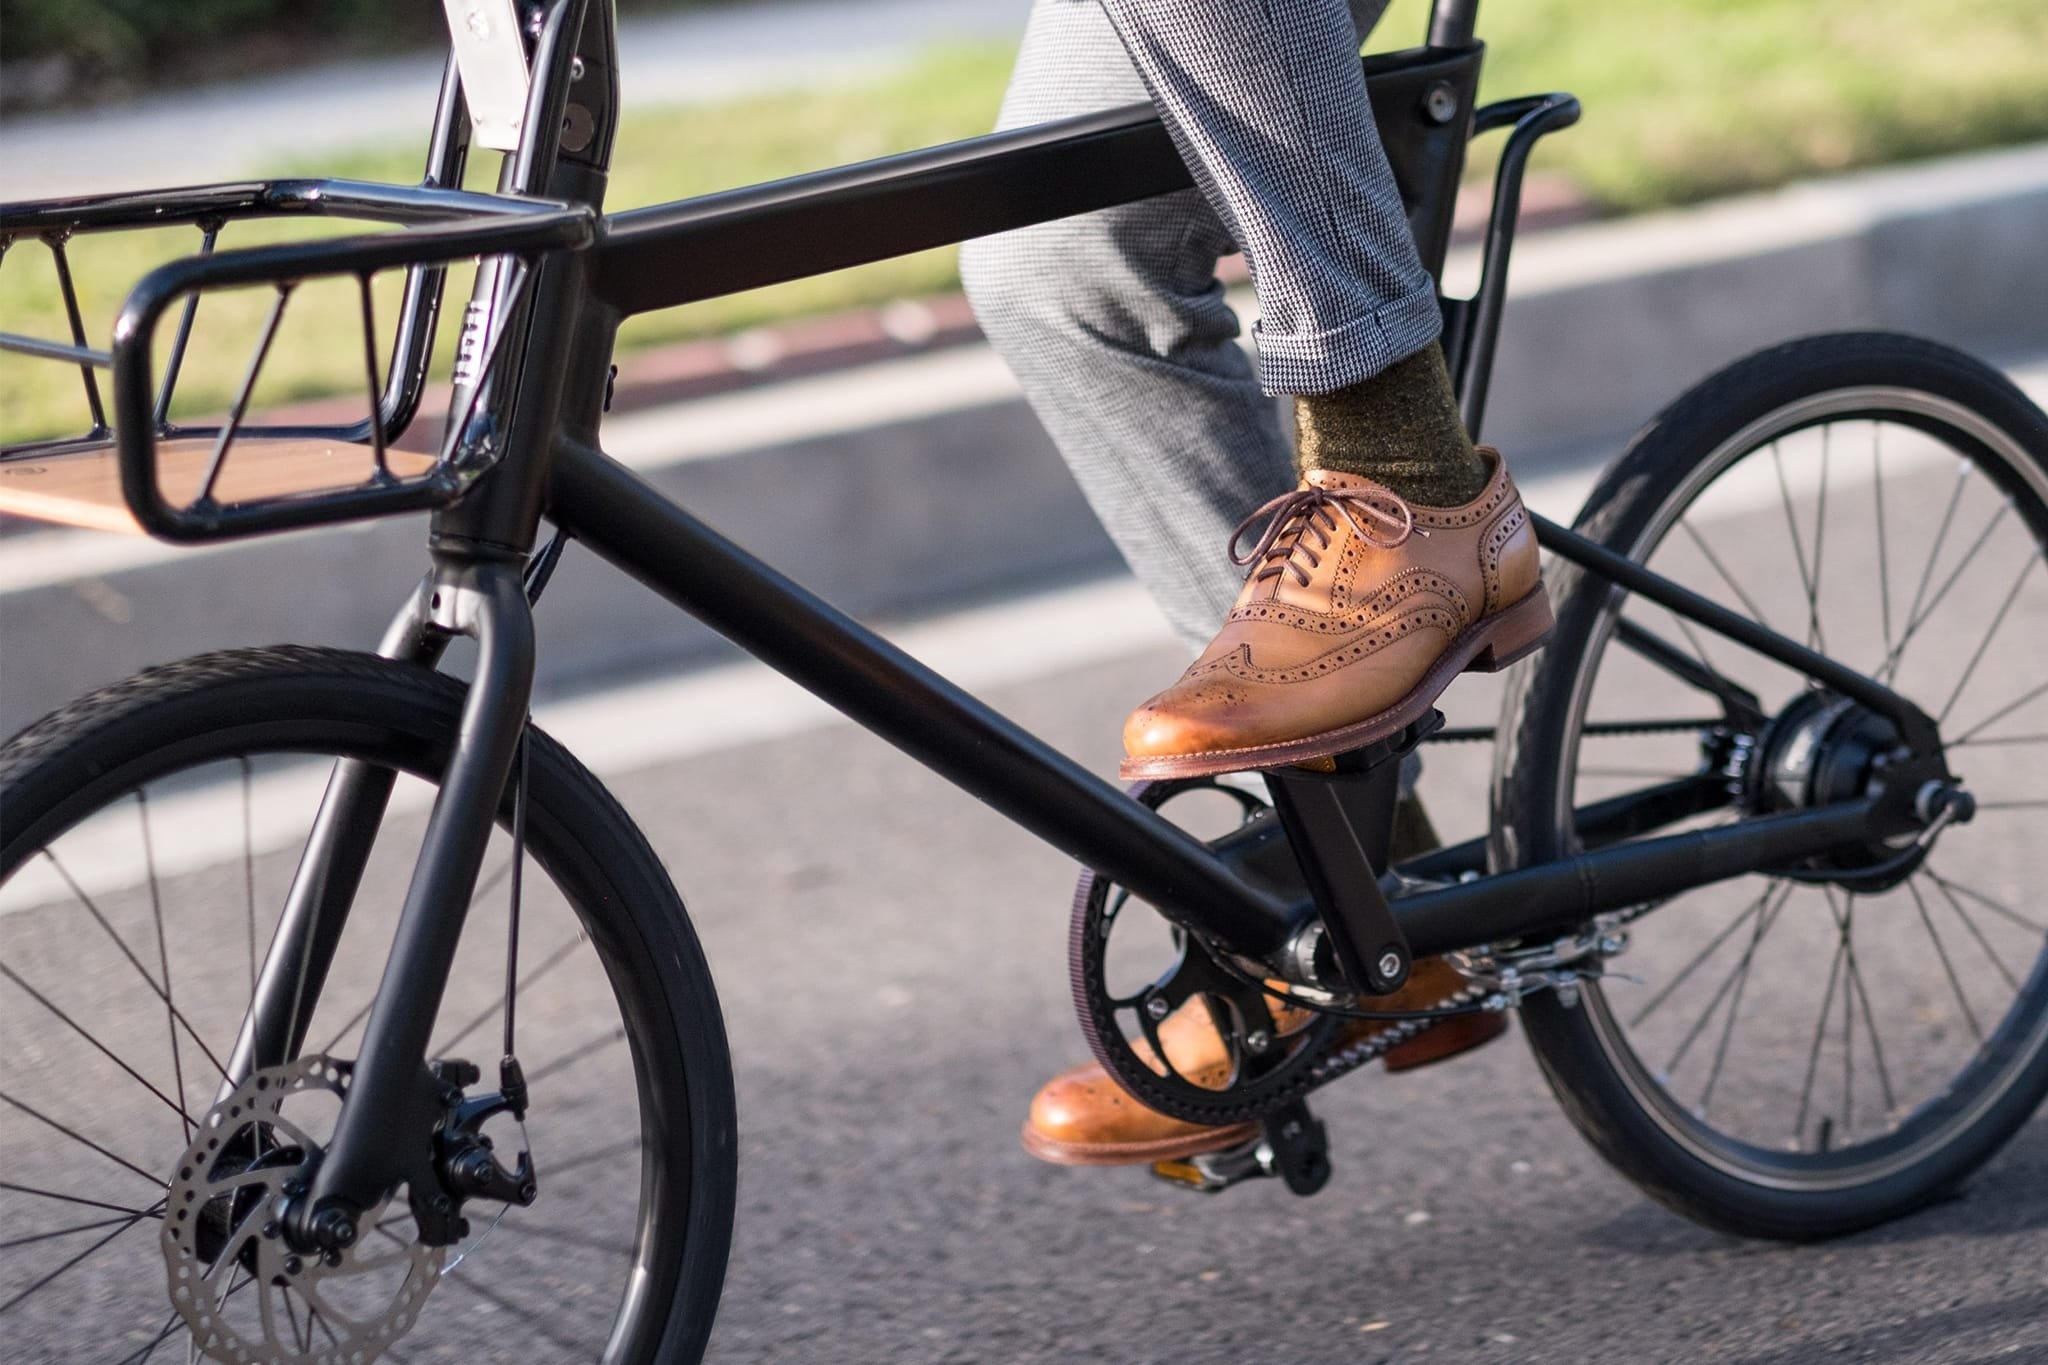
x,y
328,1163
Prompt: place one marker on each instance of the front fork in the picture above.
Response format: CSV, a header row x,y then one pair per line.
x,y
391,1090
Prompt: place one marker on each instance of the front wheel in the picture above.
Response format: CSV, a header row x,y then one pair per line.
x,y
147,836
1803,1056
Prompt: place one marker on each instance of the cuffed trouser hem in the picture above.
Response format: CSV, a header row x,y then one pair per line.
x,y
1322,362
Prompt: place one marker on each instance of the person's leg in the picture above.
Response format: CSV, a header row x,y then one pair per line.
x,y
1117,329
1405,555
1267,103
1119,334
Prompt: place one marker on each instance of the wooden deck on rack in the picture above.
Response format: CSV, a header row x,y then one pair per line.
x,y
83,487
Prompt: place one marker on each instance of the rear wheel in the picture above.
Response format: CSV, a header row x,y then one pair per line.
x,y
147,835
1804,1056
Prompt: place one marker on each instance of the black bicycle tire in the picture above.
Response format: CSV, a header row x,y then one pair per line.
x,y
1528,764
225,704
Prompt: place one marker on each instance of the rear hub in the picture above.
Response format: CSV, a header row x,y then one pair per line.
x,y
1824,748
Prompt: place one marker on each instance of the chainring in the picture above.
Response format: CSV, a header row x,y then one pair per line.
x,y
1261,1074
244,1293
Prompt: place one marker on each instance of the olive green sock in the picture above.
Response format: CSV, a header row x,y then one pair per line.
x,y
1400,428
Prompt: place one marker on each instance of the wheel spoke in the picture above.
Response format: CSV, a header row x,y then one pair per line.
x,y
1862,993
1733,981
174,1106
483,886
1707,550
1806,579
1890,667
81,1140
163,950
51,1278
1725,690
1948,517
1827,1005
1734,1011
581,1052
61,1197
1940,950
533,1320
554,959
598,1154
141,1355
100,917
1997,962
2001,713
571,1236
302,1337
1687,970
70,1231
1995,907
266,1312
1984,644
1998,739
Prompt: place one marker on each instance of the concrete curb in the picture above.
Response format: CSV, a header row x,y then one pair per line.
x,y
854,482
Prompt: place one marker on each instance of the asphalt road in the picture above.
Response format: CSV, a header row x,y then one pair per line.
x,y
890,959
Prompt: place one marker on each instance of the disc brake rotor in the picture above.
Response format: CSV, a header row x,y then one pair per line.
x,y
247,1296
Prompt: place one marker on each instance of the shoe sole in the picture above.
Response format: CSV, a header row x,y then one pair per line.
x,y
1452,1038
1485,647
1134,1153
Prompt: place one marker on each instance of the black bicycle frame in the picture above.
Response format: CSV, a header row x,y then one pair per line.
x,y
546,396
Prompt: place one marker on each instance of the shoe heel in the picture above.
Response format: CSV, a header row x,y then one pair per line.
x,y
1516,633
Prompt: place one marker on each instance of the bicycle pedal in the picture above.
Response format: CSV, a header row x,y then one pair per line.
x,y
1293,1147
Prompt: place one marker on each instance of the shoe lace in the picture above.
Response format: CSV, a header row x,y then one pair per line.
x,y
1377,515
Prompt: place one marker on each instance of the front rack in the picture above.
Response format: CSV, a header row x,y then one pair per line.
x,y
136,469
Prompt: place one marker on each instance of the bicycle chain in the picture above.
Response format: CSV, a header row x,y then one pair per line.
x,y
1487,735
1343,1061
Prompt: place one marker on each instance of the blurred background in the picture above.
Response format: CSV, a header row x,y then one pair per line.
x,y
1746,171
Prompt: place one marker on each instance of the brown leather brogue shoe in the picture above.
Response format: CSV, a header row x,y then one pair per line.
x,y
1356,614
1082,1117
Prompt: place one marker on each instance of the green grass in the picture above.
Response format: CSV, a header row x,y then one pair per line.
x,y
1684,99
1687,99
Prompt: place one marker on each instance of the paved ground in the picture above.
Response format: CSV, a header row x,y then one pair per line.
x,y
890,961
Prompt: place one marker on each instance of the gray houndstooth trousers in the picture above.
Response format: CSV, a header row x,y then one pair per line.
x,y
1114,322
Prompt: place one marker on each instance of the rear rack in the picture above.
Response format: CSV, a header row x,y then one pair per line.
x,y
135,469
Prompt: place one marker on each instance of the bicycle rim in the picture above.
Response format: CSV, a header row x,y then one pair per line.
x,y
132,936
1776,1037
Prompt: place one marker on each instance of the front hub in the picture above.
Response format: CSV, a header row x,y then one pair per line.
x,y
245,1290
